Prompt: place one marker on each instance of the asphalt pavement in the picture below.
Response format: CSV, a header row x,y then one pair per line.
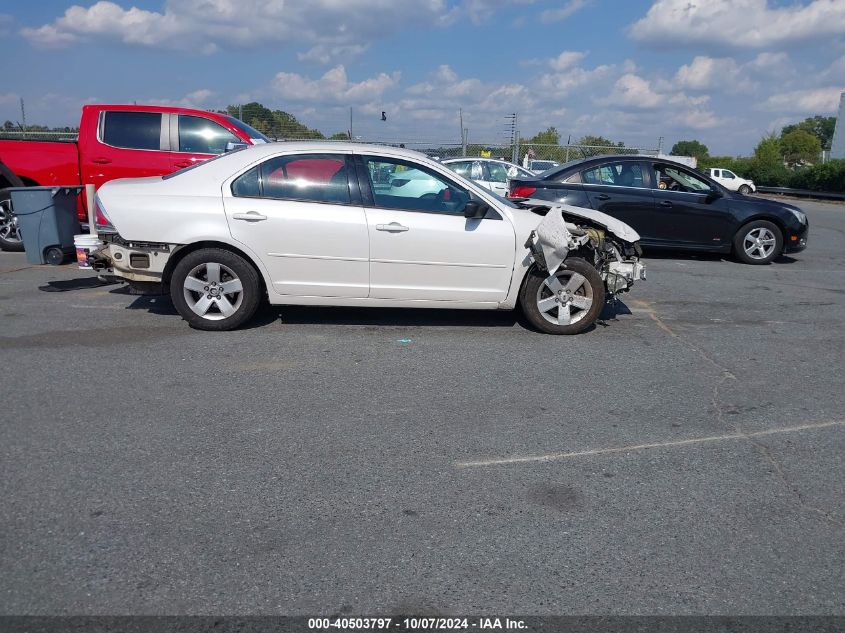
x,y
683,457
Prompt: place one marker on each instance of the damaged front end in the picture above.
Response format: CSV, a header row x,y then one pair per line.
x,y
609,244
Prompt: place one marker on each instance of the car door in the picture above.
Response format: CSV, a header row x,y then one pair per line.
x,y
194,139
622,190
299,214
129,144
421,245
496,177
690,211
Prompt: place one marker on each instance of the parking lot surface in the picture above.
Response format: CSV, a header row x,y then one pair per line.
x,y
683,457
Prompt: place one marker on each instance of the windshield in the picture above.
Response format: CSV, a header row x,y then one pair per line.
x,y
251,132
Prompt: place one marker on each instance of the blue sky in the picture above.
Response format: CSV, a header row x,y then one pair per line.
x,y
721,71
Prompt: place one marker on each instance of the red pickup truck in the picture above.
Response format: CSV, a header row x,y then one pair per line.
x,y
116,141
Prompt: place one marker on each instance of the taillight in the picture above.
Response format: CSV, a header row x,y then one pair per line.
x,y
101,220
521,191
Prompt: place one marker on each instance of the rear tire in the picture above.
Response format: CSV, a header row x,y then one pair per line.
x,y
10,239
569,304
758,242
214,289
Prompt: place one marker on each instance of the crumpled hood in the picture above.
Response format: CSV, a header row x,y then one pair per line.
x,y
617,227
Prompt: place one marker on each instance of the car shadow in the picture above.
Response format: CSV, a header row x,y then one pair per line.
x,y
385,317
397,317
665,253
67,285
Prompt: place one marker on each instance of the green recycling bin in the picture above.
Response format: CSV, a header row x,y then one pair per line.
x,y
47,222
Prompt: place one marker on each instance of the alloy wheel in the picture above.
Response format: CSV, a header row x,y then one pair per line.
x,y
8,226
565,298
213,291
759,243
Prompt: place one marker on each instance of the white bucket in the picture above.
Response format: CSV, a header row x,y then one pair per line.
x,y
85,245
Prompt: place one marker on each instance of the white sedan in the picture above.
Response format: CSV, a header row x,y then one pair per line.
x,y
488,172
340,224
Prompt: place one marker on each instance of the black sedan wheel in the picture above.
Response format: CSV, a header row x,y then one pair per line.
x,y
758,242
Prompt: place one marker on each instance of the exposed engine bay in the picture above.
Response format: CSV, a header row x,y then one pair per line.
x,y
609,244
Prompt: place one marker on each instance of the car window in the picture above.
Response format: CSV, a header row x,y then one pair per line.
x,y
498,172
132,130
574,177
677,179
308,177
727,174
399,184
199,135
627,174
476,172
463,167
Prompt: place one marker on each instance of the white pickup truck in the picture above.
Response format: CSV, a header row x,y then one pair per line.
x,y
730,180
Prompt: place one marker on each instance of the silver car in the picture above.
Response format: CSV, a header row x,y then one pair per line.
x,y
488,172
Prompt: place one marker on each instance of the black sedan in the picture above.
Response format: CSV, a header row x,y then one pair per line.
x,y
673,206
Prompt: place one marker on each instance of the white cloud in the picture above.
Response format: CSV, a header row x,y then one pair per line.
x,y
809,102
738,23
332,28
556,15
633,91
566,59
333,87
704,73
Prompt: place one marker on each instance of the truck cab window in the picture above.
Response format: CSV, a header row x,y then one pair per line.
x,y
132,130
202,136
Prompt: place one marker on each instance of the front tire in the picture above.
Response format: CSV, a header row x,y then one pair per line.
x,y
10,239
567,303
758,242
214,289
745,190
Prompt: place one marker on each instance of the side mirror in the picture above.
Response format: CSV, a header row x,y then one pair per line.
x,y
713,195
231,147
475,210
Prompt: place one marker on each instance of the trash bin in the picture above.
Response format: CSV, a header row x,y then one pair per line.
x,y
47,222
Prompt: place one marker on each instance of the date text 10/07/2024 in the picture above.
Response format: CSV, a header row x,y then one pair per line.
x,y
416,624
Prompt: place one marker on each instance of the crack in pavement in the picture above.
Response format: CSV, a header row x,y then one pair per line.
x,y
715,400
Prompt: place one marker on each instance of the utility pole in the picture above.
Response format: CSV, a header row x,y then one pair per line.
x,y
23,117
350,124
659,146
514,136
463,138
568,142
241,112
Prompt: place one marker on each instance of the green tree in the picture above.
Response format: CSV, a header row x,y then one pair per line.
x,y
273,123
690,148
339,136
800,147
548,137
599,141
819,126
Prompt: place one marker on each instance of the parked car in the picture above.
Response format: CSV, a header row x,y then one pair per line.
x,y
539,166
693,212
488,172
326,224
116,141
730,180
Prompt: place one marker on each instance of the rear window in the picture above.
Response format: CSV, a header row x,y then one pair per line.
x,y
132,130
308,177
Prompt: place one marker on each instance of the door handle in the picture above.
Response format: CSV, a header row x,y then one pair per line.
x,y
603,196
101,160
393,227
252,216
665,203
